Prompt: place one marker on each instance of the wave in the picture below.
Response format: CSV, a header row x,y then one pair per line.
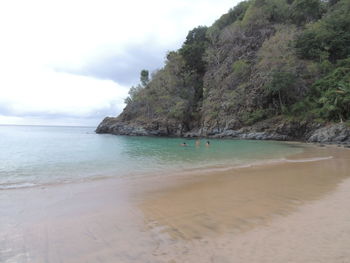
x,y
307,160
7,186
253,163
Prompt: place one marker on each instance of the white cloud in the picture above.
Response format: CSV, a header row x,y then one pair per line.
x,y
47,91
39,35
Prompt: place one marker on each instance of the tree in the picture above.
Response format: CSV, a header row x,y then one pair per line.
x,y
329,97
332,2
281,87
336,103
193,49
332,93
262,12
329,37
234,14
133,92
305,11
144,77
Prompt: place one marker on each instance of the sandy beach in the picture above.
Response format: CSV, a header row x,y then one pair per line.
x,y
294,210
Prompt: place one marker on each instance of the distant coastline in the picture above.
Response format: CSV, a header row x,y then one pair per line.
x,y
43,125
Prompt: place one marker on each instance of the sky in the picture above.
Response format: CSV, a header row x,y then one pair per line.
x,y
72,62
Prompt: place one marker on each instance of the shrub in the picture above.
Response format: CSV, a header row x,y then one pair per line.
x,y
240,68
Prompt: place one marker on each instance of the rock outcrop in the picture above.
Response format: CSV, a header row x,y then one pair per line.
x,y
119,127
272,129
336,133
259,72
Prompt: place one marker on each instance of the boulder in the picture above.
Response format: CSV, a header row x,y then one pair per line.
x,y
334,133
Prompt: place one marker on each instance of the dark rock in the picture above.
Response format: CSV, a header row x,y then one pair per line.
x,y
114,126
193,134
271,129
334,133
264,136
233,124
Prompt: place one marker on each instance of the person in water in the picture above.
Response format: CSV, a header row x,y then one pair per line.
x,y
198,143
207,143
183,144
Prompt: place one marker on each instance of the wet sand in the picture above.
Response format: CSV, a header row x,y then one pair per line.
x,y
291,211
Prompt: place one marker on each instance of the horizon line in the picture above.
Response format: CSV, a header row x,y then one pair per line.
x,y
48,125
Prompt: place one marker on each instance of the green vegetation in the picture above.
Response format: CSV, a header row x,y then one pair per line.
x,y
250,118
281,89
144,78
241,68
329,97
306,11
193,49
232,15
328,38
262,59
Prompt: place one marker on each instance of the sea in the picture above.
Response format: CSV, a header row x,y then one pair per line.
x,y
39,155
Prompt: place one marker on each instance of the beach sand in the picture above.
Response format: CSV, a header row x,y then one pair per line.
x,y
296,210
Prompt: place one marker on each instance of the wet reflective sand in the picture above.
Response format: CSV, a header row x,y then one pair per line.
x,y
292,211
237,200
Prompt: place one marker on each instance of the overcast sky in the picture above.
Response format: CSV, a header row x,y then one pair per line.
x,y
72,62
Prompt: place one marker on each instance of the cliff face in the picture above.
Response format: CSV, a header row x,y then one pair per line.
x,y
268,69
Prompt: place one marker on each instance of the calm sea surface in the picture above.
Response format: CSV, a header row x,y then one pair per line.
x,y
34,155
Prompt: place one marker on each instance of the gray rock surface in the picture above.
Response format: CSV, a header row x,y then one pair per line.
x,y
335,133
273,129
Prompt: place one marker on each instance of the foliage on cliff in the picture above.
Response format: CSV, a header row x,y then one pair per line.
x,y
261,59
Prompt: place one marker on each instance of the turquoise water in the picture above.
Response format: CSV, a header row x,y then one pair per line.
x,y
32,155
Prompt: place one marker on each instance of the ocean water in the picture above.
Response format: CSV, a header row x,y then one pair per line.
x,y
34,155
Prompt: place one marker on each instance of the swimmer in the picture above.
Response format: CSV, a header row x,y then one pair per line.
x,y
183,144
207,143
198,143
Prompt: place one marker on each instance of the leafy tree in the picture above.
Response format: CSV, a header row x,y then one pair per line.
x,y
308,46
336,103
305,11
263,12
332,93
276,10
234,14
193,49
329,97
144,77
133,92
329,38
281,88
332,2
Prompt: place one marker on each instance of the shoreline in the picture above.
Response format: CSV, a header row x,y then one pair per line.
x,y
277,128
217,216
176,172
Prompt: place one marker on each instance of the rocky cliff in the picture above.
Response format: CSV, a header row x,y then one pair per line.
x,y
267,69
272,129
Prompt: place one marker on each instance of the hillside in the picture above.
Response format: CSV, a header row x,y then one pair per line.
x,y
267,69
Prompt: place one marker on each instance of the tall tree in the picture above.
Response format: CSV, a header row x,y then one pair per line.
x,y
193,49
144,77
